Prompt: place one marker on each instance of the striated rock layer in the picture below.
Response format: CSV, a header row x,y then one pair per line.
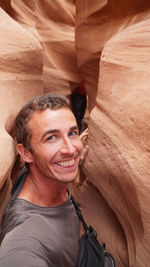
x,y
52,22
20,78
111,53
116,42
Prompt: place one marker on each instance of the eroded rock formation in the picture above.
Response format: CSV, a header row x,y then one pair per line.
x,y
60,71
21,62
118,159
110,52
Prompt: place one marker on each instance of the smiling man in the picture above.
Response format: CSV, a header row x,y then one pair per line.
x,y
40,227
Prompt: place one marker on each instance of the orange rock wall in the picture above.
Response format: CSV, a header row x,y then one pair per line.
x,y
21,61
51,46
115,64
60,71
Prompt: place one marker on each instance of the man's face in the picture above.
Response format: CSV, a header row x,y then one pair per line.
x,y
56,144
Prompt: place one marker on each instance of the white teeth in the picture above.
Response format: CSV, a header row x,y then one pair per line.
x,y
66,163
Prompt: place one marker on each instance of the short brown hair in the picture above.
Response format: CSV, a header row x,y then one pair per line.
x,y
41,102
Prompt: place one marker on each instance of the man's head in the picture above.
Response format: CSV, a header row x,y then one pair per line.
x,y
42,102
48,138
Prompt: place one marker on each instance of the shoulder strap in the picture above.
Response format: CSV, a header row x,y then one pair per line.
x,y
19,182
78,210
109,260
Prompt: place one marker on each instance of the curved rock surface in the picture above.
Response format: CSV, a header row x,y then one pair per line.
x,y
21,65
116,67
60,71
110,52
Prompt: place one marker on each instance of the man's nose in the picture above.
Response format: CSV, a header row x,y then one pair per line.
x,y
67,146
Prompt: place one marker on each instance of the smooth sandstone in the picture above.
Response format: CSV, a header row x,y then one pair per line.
x,y
110,52
113,45
52,22
20,79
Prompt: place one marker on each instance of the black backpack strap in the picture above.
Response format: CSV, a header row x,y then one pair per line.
x,y
78,210
19,182
106,259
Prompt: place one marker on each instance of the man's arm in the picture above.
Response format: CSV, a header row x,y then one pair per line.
x,y
29,245
23,258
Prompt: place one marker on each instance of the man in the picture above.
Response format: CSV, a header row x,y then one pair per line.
x,y
40,226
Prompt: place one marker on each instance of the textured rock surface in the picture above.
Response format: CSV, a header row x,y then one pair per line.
x,y
118,161
20,78
112,49
60,72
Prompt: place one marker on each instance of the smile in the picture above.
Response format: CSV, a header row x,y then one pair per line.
x,y
66,163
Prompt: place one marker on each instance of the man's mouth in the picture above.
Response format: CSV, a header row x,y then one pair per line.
x,y
66,163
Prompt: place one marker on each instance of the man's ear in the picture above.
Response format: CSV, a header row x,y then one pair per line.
x,y
25,154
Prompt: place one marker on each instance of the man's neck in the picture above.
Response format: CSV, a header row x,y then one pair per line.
x,y
47,193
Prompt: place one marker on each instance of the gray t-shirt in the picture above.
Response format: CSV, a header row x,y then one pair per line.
x,y
40,236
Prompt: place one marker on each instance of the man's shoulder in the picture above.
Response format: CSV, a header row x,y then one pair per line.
x,y
30,226
33,238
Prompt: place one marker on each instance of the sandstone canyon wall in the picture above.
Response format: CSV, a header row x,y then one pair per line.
x,y
115,37
21,61
46,47
60,71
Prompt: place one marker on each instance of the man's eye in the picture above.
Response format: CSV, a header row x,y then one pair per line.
x,y
73,133
51,138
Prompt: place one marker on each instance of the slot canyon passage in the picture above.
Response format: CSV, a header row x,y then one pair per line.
x,y
52,46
